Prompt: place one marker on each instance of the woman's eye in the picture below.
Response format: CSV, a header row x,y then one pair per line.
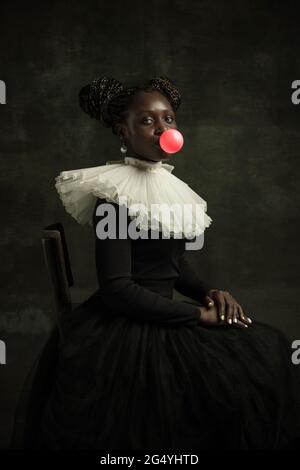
x,y
148,120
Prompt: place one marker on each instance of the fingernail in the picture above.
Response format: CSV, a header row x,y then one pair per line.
x,y
235,320
229,321
222,317
249,320
246,326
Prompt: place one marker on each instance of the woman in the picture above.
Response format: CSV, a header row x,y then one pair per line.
x,y
138,369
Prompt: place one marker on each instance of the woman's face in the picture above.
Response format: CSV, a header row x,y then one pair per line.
x,y
149,116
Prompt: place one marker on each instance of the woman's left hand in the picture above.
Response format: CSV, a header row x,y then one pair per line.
x,y
228,308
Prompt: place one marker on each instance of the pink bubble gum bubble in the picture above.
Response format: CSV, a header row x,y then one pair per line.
x,y
171,141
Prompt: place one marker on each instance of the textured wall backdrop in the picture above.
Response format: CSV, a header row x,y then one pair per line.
x,y
234,63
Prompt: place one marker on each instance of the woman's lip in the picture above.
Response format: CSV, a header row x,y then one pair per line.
x,y
159,147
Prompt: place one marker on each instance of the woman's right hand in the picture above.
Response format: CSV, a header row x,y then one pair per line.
x,y
210,317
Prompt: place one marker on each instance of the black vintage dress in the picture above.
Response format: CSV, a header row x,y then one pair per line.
x,y
137,370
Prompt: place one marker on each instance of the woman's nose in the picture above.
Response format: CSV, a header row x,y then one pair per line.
x,y
160,129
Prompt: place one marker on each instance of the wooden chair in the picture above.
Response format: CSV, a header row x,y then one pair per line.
x,y
38,383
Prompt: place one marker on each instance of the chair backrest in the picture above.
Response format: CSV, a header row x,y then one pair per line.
x,y
59,268
39,381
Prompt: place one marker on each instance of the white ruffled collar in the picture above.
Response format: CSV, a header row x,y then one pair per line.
x,y
147,164
143,164
140,185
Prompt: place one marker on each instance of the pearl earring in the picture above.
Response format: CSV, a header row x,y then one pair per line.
x,y
123,148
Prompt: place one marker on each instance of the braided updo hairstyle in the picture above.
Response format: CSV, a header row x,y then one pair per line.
x,y
108,100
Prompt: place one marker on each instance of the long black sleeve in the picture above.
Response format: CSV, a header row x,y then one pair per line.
x,y
123,295
189,283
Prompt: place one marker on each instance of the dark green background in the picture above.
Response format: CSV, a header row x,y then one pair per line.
x,y
234,63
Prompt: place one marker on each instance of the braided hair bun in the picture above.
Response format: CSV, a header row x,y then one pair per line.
x,y
94,98
165,86
108,100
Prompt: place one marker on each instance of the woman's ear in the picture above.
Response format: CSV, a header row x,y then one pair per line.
x,y
121,131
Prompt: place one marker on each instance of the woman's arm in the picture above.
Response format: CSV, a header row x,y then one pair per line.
x,y
189,282
123,295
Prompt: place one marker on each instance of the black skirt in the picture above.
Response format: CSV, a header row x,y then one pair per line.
x,y
125,384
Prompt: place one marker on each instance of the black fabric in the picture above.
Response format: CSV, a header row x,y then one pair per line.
x,y
188,282
138,371
136,277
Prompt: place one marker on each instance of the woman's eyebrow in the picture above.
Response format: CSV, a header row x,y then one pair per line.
x,y
151,111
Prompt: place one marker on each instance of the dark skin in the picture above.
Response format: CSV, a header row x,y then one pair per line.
x,y
149,115
142,130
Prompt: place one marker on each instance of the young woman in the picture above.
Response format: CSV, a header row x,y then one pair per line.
x,y
138,369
